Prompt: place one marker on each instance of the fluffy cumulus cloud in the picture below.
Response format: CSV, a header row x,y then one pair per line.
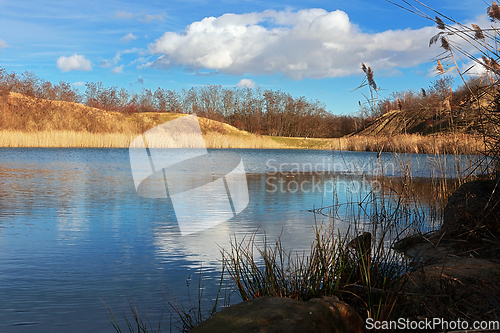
x,y
246,83
75,62
311,43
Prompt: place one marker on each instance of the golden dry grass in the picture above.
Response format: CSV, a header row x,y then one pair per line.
x,y
413,143
57,139
217,140
81,139
33,122
449,144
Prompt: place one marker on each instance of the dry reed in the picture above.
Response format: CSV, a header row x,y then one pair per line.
x,y
217,140
458,144
83,139
59,139
32,122
449,144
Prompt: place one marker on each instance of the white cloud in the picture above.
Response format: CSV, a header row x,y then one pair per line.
x,y
74,63
3,44
143,17
135,50
473,68
106,63
127,38
78,84
311,43
147,18
123,14
246,83
117,70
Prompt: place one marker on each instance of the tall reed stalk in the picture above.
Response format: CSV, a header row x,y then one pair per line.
x,y
333,266
462,45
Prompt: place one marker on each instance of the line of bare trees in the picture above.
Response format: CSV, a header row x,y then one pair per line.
x,y
265,112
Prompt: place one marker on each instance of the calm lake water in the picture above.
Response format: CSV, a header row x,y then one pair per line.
x,y
75,235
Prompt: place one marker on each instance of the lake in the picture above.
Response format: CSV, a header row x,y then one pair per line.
x,y
75,235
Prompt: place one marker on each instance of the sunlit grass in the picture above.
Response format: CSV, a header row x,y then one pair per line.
x,y
70,139
31,122
450,144
457,144
217,140
303,143
83,139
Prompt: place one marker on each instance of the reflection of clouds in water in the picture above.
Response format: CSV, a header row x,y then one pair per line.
x,y
71,228
72,218
201,247
205,247
76,211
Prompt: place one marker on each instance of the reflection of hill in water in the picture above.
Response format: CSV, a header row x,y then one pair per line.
x,y
425,190
72,217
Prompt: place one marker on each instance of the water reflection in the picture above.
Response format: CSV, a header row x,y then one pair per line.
x,y
73,230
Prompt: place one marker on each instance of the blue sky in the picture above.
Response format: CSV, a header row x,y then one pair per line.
x,y
306,48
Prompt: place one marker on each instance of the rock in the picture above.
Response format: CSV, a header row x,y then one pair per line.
x,y
465,209
362,245
279,314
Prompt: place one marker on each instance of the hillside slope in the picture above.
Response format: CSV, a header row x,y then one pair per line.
x,y
22,113
424,121
34,122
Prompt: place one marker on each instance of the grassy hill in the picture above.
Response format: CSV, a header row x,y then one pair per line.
x,y
423,130
424,122
35,122
460,113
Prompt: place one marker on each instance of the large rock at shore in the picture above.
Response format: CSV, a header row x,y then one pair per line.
x,y
279,314
465,212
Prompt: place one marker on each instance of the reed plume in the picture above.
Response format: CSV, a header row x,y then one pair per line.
x,y
494,12
478,32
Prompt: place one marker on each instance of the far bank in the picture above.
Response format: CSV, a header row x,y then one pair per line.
x,y
404,143
35,122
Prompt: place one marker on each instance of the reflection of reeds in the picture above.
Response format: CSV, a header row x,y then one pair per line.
x,y
365,272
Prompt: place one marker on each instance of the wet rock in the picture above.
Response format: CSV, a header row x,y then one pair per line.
x,y
362,245
465,212
279,314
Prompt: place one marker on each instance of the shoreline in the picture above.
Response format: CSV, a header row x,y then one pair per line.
x,y
457,144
